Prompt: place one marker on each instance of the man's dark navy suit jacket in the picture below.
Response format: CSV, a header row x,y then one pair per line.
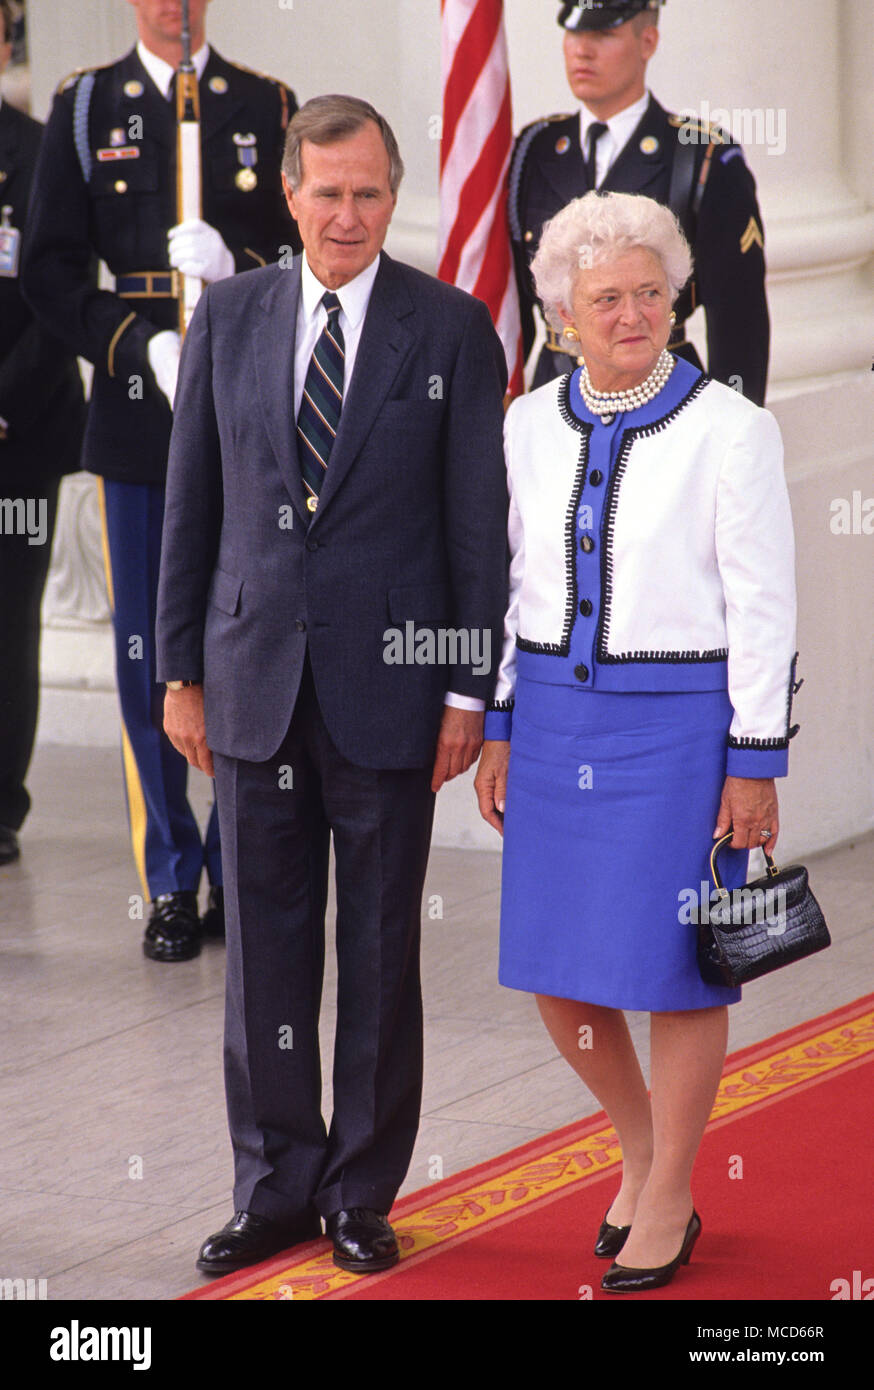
x,y
410,526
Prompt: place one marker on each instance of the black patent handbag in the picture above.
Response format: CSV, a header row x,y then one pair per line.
x,y
753,930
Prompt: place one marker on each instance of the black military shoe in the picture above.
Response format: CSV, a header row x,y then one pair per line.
x,y
212,923
173,932
249,1238
9,849
364,1242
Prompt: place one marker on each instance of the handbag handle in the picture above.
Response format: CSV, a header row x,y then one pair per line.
x,y
773,871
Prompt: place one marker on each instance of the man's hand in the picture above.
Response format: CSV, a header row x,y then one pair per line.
x,y
185,728
749,806
458,743
163,351
197,249
491,781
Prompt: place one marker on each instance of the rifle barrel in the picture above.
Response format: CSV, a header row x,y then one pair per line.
x,y
186,36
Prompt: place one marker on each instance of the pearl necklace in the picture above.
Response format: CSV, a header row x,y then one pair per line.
x,y
610,403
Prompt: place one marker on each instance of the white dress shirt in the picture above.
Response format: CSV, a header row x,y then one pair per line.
x,y
620,129
312,316
162,73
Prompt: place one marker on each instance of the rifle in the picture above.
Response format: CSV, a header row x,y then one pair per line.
x,y
188,168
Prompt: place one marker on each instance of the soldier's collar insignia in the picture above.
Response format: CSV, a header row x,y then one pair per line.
x,y
649,144
219,85
562,144
134,88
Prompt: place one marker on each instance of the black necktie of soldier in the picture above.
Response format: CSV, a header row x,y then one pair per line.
x,y
596,130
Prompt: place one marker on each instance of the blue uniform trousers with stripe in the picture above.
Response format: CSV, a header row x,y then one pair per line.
x,y
169,850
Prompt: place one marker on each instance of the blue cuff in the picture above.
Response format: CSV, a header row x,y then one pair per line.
x,y
757,762
498,724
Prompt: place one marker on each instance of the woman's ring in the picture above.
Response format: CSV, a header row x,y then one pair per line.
x,y
764,834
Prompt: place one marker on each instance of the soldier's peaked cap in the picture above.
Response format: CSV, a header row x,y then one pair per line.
x,y
603,14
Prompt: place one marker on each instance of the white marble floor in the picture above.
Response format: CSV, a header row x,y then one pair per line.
x,y
114,1157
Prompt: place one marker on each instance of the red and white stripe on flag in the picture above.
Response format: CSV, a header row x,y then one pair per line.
x,y
474,157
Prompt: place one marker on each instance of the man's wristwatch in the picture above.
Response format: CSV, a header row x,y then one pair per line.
x,y
179,685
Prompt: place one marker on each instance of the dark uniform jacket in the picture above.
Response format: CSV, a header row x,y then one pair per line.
x,y
41,393
90,202
706,182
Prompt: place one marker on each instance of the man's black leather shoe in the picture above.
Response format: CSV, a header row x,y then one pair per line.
x,y
364,1242
173,932
248,1238
9,850
212,923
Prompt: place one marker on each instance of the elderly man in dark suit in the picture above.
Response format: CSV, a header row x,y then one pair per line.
x,y
331,591
42,415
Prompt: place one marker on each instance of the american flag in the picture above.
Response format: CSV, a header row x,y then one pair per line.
x,y
474,156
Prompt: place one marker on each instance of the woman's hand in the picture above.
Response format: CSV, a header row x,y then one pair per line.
x,y
491,781
749,806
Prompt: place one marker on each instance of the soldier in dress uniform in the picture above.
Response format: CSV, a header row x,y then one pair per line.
x,y
42,416
622,140
105,189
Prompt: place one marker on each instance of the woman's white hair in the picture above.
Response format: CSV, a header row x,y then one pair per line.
x,y
596,229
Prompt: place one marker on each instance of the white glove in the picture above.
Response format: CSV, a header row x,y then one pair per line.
x,y
164,350
197,249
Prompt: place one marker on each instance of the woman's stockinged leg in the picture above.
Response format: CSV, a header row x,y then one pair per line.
x,y
597,1044
688,1053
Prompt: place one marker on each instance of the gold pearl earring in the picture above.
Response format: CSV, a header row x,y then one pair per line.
x,y
572,333
673,318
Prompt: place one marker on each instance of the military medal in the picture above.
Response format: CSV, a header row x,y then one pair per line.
x,y
247,153
10,243
122,152
134,88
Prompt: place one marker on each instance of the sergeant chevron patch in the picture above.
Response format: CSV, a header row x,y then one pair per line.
x,y
752,237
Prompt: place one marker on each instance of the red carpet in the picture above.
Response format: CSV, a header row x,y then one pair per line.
x,y
783,1185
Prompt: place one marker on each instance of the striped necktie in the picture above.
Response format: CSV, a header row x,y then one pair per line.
x,y
321,402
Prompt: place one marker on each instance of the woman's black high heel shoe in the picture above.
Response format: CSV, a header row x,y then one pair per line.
x,y
610,1239
621,1279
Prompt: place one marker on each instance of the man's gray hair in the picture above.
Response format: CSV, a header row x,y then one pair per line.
x,y
596,229
324,121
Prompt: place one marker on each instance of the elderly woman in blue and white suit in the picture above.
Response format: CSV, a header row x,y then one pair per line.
x,y
643,700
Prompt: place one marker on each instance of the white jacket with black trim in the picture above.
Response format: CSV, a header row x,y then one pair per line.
x,y
697,561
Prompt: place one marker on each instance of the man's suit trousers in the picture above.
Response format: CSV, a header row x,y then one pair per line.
x,y
277,819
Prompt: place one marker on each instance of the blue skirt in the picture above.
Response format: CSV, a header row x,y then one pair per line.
x,y
611,805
